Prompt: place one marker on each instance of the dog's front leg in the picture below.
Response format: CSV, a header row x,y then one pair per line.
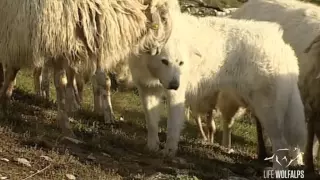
x,y
150,98
175,121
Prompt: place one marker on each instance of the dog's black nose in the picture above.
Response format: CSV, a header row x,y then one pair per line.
x,y
174,84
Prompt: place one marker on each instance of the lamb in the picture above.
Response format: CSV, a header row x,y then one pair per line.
x,y
237,57
90,33
229,104
207,137
296,18
228,107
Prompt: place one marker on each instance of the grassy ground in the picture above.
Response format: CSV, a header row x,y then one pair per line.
x,y
112,152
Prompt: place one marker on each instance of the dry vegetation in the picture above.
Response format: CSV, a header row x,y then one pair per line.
x,y
112,152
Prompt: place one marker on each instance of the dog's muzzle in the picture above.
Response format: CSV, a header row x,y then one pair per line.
x,y
174,84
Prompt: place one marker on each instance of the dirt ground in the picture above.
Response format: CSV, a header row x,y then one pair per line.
x,y
31,146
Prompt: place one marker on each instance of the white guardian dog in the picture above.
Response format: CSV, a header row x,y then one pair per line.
x,y
206,55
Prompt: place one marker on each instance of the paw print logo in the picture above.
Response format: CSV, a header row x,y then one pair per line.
x,y
287,160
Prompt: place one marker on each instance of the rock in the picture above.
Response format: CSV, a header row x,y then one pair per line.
x,y
159,176
47,158
4,159
70,176
91,157
24,162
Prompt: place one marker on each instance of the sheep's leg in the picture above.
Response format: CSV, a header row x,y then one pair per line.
x,y
296,129
211,125
311,150
262,152
103,90
228,110
45,83
41,81
76,101
151,105
1,75
315,149
37,78
107,104
199,123
316,143
269,118
175,121
316,139
71,104
60,83
8,85
187,113
308,158
97,104
80,84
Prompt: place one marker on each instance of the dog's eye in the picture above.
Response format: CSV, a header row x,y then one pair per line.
x,y
181,63
165,62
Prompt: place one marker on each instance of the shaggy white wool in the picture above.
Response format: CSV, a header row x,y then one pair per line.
x,y
246,58
80,35
300,20
301,24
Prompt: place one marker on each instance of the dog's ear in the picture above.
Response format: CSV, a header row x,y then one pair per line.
x,y
154,51
195,51
315,41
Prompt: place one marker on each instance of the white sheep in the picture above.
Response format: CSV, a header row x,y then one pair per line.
x,y
92,34
309,83
301,24
227,106
246,58
230,108
123,78
41,85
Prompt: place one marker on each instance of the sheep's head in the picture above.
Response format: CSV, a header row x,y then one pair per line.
x,y
160,24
